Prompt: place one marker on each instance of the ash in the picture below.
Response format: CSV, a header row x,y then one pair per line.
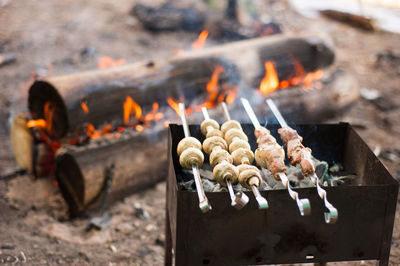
x,y
328,176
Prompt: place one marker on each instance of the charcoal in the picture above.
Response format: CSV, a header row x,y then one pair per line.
x,y
168,18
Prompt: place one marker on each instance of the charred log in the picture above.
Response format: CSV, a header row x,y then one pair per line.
x,y
140,161
168,18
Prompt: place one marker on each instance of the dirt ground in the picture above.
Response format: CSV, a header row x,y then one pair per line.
x,y
70,36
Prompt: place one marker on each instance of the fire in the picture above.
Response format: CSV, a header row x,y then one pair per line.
x,y
230,98
106,62
153,115
48,115
174,105
45,123
270,82
130,107
85,108
139,128
299,73
212,86
201,41
312,76
39,123
93,133
213,90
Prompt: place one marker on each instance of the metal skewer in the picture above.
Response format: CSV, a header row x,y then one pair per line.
x,y
203,201
330,216
262,202
240,199
303,204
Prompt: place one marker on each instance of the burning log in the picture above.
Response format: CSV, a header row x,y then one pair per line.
x,y
104,91
340,90
81,170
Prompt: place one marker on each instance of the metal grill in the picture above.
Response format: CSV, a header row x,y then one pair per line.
x,y
226,236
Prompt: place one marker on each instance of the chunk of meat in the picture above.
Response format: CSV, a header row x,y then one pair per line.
x,y
296,151
269,154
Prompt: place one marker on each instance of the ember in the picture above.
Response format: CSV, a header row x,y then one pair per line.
x,y
106,62
85,108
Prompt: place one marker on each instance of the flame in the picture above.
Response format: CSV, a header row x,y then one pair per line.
x,y
212,88
85,108
284,84
312,76
153,115
130,106
45,123
270,82
201,41
39,123
174,105
230,98
139,128
93,133
106,62
48,115
299,73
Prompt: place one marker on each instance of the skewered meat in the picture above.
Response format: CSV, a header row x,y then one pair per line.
x,y
269,153
296,151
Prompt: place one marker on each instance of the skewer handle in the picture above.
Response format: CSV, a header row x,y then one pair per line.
x,y
303,204
250,113
331,216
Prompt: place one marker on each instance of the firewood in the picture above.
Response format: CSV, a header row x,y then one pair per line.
x,y
104,91
22,142
351,19
140,161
